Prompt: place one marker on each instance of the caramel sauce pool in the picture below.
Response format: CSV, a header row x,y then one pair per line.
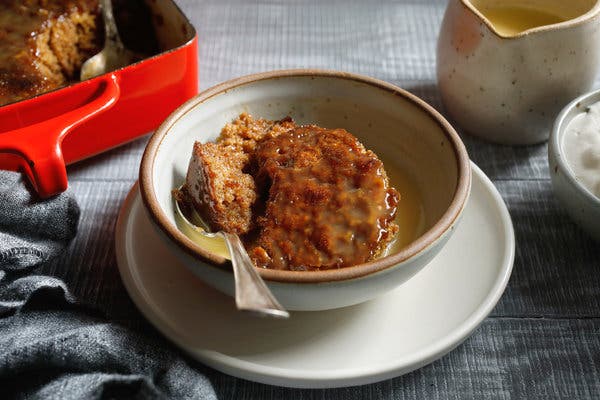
x,y
410,214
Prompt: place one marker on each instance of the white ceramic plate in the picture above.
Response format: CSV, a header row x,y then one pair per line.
x,y
386,337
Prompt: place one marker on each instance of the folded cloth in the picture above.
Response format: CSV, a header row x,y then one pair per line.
x,y
69,355
49,346
31,231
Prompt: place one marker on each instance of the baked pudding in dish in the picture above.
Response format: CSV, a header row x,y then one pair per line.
x,y
43,44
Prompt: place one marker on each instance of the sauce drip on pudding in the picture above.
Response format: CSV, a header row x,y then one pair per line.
x,y
302,197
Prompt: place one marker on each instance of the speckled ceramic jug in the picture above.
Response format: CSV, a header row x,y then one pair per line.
x,y
509,88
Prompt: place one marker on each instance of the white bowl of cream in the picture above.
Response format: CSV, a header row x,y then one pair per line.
x,y
574,161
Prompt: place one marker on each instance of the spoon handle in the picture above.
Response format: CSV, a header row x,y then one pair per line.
x,y
251,292
111,32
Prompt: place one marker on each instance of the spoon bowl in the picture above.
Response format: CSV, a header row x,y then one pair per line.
x,y
114,55
251,292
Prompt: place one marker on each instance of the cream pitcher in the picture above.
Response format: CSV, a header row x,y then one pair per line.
x,y
506,67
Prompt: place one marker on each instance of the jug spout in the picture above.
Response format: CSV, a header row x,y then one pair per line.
x,y
513,18
506,68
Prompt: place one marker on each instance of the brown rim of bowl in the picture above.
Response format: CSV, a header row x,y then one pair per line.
x,y
421,243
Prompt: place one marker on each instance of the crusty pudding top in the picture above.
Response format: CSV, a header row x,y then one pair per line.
x,y
301,197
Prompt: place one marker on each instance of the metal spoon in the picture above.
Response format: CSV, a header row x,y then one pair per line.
x,y
251,292
114,55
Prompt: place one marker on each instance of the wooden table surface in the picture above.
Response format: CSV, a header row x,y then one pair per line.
x,y
543,338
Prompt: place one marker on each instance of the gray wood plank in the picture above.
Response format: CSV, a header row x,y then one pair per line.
x,y
505,359
390,40
121,163
556,271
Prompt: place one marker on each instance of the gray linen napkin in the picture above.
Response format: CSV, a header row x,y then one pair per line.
x,y
50,347
31,231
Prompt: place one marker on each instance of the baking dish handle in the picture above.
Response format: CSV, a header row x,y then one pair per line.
x,y
36,148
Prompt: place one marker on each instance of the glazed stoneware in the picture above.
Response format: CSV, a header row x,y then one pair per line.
x,y
580,203
405,132
508,89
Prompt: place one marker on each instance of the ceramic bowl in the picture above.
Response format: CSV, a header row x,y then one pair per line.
x,y
406,133
580,203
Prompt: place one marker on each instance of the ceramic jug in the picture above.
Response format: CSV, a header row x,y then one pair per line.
x,y
505,82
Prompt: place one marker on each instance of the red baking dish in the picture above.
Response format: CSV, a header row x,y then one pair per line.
x,y
41,135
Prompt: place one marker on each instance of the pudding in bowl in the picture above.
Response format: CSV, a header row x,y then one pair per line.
x,y
422,154
300,197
